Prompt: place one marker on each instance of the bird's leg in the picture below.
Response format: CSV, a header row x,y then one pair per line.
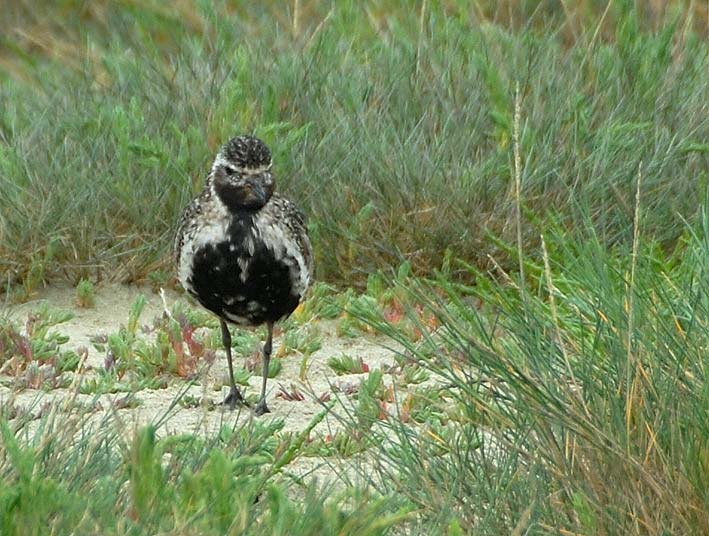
x,y
262,407
234,397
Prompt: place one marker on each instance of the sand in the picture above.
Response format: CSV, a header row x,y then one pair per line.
x,y
111,310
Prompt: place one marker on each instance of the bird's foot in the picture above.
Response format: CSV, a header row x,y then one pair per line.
x,y
234,398
261,408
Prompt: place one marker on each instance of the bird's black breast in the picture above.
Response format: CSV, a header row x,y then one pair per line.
x,y
241,280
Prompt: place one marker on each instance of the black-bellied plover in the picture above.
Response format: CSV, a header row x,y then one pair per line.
x,y
242,251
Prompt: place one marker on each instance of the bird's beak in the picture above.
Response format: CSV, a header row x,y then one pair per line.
x,y
258,194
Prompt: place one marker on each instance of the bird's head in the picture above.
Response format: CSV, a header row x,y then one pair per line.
x,y
242,173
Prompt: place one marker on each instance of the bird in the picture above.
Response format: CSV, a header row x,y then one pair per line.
x,y
243,251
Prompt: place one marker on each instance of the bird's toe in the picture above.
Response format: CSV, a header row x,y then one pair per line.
x,y
234,399
261,408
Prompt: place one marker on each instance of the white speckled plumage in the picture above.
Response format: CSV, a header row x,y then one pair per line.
x,y
242,250
278,224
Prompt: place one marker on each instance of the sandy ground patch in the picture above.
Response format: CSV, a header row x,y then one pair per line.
x,y
113,303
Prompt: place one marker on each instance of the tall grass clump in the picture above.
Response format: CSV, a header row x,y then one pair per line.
x,y
575,405
571,394
391,126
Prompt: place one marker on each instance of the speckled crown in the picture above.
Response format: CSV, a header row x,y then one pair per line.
x,y
247,152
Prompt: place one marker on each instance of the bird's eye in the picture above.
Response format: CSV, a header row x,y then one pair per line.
x,y
229,170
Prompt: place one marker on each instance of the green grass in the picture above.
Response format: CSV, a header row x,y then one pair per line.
x,y
575,401
537,171
85,294
91,480
391,127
